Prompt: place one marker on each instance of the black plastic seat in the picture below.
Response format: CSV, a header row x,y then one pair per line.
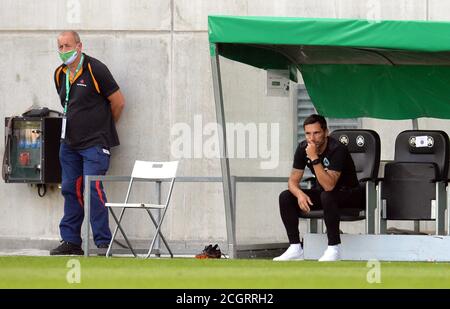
x,y
364,147
413,187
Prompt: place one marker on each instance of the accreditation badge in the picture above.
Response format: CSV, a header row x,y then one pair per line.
x,y
63,127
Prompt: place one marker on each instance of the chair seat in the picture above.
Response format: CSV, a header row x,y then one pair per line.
x,y
346,214
134,205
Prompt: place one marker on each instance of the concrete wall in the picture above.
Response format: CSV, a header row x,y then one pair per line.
x,y
158,52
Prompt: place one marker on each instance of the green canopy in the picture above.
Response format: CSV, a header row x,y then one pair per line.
x,y
351,68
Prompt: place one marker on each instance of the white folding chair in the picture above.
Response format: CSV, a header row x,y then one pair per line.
x,y
152,171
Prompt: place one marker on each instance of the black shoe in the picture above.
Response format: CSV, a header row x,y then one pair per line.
x,y
67,248
204,253
210,252
102,249
215,252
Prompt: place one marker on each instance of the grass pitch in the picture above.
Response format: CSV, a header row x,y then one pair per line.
x,y
184,273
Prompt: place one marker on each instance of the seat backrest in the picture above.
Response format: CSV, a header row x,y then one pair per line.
x,y
425,146
408,192
364,147
154,170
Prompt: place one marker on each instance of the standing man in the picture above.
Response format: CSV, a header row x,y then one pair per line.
x,y
92,104
337,186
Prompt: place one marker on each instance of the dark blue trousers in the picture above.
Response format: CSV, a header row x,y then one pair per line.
x,y
75,165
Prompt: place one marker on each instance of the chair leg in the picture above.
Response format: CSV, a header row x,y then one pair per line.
x,y
108,253
441,202
312,226
383,226
158,228
160,234
121,230
371,207
153,242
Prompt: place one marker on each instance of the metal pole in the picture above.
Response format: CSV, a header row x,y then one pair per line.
x,y
233,210
415,126
157,245
87,214
224,162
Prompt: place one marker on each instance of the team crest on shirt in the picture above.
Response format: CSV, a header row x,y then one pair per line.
x,y
326,163
81,83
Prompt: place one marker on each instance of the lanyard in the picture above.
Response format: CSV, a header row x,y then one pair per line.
x,y
66,102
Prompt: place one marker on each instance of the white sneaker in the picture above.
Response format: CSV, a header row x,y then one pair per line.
x,y
293,253
333,253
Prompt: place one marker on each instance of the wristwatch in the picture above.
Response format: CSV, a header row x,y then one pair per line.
x,y
316,161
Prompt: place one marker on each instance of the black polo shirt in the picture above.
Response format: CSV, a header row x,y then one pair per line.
x,y
335,158
89,117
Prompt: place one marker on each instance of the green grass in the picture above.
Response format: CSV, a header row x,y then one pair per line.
x,y
96,272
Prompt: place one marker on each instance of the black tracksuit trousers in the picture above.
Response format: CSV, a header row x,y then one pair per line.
x,y
329,201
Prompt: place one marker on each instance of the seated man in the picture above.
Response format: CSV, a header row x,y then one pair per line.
x,y
336,186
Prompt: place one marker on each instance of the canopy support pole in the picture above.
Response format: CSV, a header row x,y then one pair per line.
x,y
415,126
224,161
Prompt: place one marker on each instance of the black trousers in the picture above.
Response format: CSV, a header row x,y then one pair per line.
x,y
329,201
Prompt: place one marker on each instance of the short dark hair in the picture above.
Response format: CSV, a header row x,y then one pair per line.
x,y
315,118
